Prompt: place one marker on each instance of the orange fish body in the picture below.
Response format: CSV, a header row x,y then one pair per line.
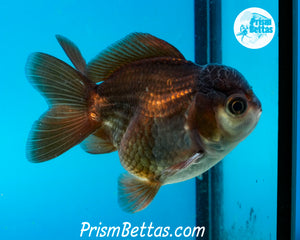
x,y
169,119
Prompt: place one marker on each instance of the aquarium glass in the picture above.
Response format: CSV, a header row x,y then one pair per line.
x,y
62,198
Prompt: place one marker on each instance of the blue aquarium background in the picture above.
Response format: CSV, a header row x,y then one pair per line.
x,y
51,200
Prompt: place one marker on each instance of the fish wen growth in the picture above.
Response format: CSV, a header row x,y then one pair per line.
x,y
169,118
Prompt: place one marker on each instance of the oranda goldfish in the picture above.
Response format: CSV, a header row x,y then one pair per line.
x,y
169,118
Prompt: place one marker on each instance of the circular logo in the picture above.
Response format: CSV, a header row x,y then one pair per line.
x,y
254,28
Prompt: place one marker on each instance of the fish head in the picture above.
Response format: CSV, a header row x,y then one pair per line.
x,y
225,110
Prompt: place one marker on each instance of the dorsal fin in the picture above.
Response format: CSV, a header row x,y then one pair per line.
x,y
134,47
72,52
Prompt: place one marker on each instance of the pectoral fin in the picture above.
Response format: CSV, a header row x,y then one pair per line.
x,y
135,194
180,166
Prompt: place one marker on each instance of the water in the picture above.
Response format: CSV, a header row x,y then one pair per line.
x,y
52,199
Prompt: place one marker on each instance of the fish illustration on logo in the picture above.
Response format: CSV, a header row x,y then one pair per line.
x,y
254,28
169,119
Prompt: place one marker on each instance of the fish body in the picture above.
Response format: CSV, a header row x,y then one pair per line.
x,y
169,119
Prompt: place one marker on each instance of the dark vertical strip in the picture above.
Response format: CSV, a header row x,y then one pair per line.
x,y
285,122
215,33
295,120
201,57
209,188
216,173
201,34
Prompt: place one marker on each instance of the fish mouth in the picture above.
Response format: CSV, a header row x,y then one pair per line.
x,y
256,101
256,104
259,113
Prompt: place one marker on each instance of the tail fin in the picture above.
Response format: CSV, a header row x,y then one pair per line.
x,y
67,122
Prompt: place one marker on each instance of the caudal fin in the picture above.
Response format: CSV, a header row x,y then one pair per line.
x,y
67,122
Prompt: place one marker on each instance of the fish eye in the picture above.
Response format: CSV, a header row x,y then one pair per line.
x,y
237,105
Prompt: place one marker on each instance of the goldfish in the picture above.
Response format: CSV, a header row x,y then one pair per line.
x,y
169,119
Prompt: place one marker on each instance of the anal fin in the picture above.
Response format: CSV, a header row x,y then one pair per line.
x,y
98,142
136,194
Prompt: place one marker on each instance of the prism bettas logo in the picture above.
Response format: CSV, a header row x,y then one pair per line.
x,y
254,28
